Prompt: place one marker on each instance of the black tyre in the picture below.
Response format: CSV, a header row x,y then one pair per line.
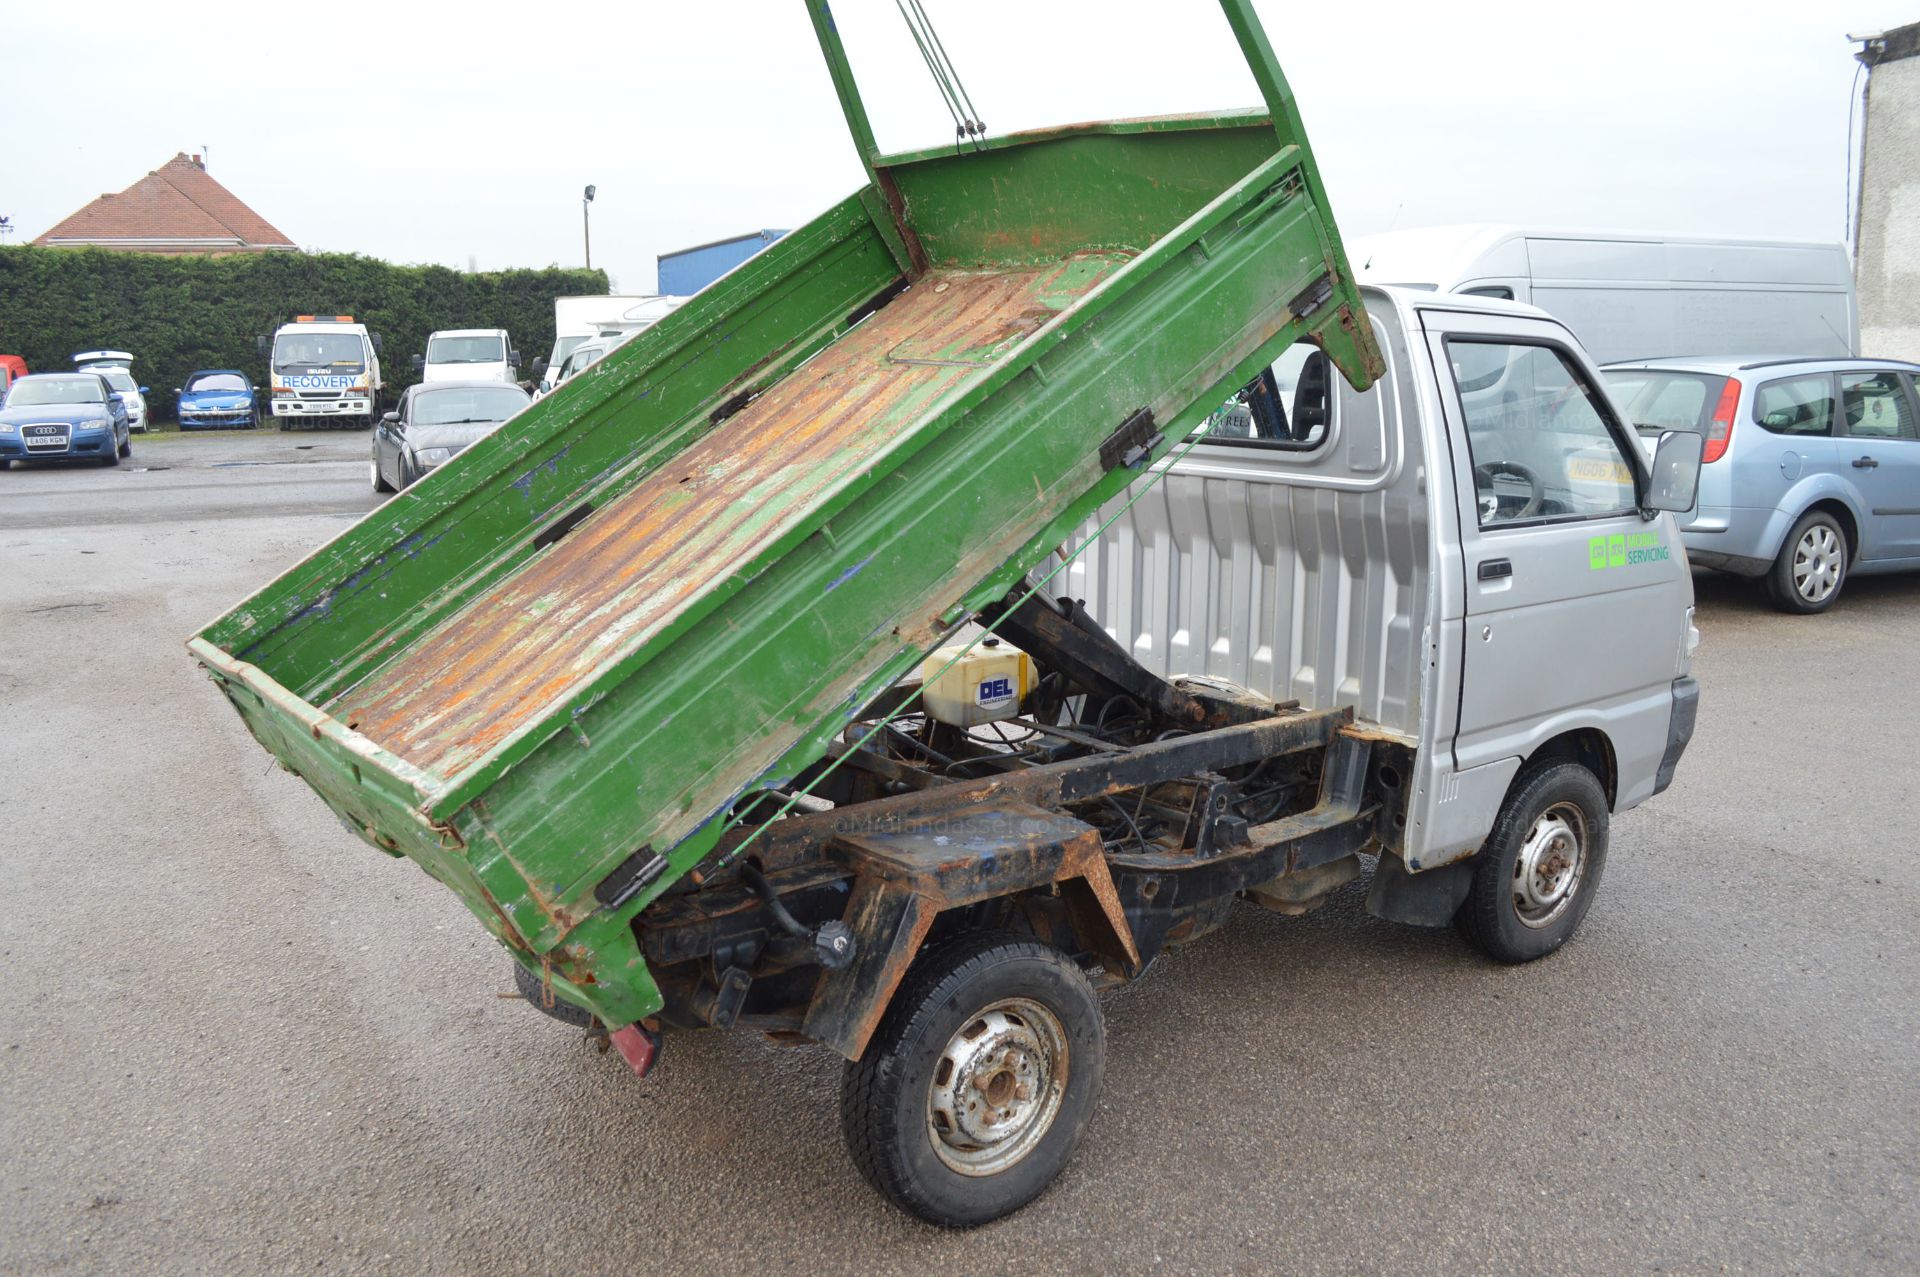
x,y
126,449
536,997
979,1081
1812,566
112,455
1541,866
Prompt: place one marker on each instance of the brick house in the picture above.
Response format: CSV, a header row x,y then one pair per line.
x,y
176,208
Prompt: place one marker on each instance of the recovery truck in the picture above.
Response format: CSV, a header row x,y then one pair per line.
x,y
741,682
323,371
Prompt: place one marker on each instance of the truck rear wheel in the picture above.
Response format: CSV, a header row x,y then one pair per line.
x,y
1541,865
979,1082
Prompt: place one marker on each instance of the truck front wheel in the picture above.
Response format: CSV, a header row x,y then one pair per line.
x,y
1540,867
979,1081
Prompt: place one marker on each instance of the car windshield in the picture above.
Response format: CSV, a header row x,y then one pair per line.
x,y
120,379
465,350
230,381
34,391
1657,401
336,352
456,406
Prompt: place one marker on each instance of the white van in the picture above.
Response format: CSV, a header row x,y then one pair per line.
x,y
469,354
577,320
1637,296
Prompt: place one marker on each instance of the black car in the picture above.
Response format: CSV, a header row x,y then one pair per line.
x,y
435,421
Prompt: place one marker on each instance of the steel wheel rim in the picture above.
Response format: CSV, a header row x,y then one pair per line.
x,y
997,1087
1817,561
1551,866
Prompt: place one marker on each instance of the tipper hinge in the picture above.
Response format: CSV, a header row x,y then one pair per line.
x,y
1132,443
627,881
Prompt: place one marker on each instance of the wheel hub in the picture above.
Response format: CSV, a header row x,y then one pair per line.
x,y
1547,873
997,1087
1816,564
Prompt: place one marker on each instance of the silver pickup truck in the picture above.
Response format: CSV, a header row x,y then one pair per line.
x,y
1474,556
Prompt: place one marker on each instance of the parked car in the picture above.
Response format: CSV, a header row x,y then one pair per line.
x,y
1811,470
117,367
433,423
11,367
469,354
63,416
218,399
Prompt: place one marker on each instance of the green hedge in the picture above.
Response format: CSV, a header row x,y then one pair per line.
x,y
177,313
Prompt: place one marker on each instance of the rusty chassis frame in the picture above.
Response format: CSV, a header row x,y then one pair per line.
x,y
907,852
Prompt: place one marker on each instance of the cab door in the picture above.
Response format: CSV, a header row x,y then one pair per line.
x,y
1576,607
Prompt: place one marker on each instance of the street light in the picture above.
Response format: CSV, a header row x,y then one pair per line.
x,y
586,227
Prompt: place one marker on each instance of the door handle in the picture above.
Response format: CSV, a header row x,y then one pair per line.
x,y
1496,569
1865,463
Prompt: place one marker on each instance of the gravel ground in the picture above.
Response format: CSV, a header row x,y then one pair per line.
x,y
241,1041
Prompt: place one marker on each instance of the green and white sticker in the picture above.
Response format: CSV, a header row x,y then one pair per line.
x,y
1624,549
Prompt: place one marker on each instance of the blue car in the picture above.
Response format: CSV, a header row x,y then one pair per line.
x,y
218,399
64,416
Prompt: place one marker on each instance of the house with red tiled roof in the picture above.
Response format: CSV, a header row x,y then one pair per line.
x,y
176,208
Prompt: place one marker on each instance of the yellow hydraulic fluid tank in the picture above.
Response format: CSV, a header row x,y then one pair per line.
x,y
984,686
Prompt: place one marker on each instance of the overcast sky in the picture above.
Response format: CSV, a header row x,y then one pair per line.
x,y
468,136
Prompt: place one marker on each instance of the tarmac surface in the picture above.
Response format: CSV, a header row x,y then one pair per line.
x,y
239,1040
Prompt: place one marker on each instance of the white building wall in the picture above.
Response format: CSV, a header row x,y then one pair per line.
x,y
1887,267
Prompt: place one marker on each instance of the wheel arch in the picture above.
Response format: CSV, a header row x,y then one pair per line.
x,y
1591,747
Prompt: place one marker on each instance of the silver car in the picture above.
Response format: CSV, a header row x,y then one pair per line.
x,y
1812,466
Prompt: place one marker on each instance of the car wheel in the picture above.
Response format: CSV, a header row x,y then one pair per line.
x,y
126,449
1812,566
979,1082
112,455
1536,876
379,484
253,420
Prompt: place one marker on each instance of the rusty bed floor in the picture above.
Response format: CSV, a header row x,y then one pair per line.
x,y
502,661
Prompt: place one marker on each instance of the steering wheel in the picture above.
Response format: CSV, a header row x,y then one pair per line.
x,y
1485,473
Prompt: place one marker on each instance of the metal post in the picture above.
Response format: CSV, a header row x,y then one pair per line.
x,y
843,83
586,225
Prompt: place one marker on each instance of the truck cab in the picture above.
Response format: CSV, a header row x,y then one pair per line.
x,y
1466,553
323,371
469,354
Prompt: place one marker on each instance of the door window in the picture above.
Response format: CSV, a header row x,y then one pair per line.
x,y
1796,406
1290,405
1538,433
1875,406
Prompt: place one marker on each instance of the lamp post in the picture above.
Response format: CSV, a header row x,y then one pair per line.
x,y
586,225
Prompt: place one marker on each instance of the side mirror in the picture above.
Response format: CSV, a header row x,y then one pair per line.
x,y
540,366
260,347
1675,484
419,362
376,342
177,390
144,390
513,357
391,418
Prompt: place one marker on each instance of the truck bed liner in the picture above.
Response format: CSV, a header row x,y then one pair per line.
x,y
626,571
